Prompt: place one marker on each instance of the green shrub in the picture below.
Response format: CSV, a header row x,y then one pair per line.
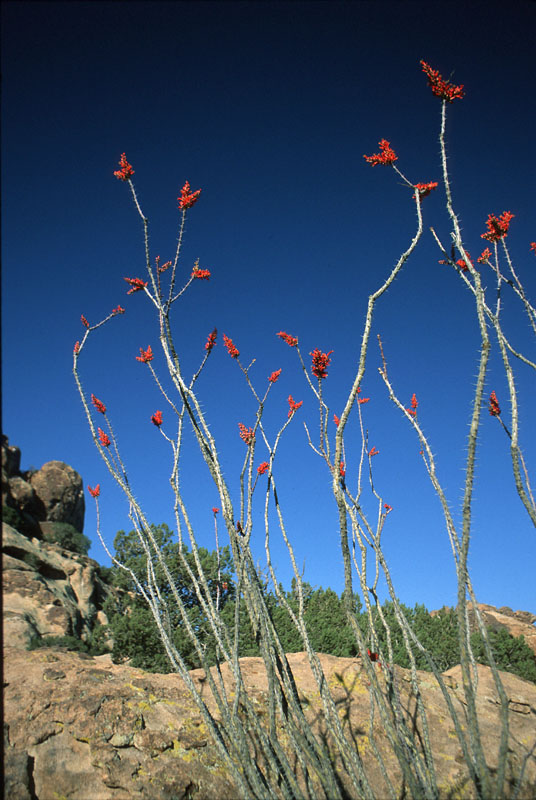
x,y
68,537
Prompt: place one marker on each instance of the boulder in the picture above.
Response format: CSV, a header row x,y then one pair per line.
x,y
60,494
48,591
53,493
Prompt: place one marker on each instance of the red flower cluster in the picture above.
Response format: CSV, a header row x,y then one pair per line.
x,y
137,285
76,348
292,341
497,228
485,256
373,452
533,247
156,418
118,310
440,87
414,404
494,407
202,274
462,265
262,468
164,266
211,341
98,405
103,438
387,507
424,189
362,400
187,198
386,156
231,349
321,362
94,492
293,406
125,172
216,510
146,355
84,321
274,376
336,420
342,470
246,434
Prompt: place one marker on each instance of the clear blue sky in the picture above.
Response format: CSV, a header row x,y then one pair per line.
x,y
269,108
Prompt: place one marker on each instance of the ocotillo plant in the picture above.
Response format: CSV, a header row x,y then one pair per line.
x,y
257,752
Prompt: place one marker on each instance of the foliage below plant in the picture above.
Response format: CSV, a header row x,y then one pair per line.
x,y
136,636
96,646
69,538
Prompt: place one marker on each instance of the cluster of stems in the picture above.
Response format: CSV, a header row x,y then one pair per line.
x,y
280,756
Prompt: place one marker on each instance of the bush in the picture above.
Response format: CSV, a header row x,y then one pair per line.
x,y
68,537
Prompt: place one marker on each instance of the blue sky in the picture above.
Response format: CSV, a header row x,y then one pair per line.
x,y
269,108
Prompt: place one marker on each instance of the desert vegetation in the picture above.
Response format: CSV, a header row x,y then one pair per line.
x,y
195,607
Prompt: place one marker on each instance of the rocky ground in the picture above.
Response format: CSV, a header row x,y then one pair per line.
x,y
83,728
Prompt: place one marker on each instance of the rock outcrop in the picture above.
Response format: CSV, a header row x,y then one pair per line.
x,y
53,493
48,591
83,728
517,623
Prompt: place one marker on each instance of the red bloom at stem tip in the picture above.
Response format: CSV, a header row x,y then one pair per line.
x,y
485,256
118,310
211,341
373,452
98,405
136,284
76,348
494,407
424,189
164,266
146,355
293,406
94,492
125,172
215,510
414,404
103,438
342,470
262,468
231,349
292,341
246,434
156,418
497,228
387,507
201,274
321,362
336,420
187,198
386,155
84,321
274,376
362,400
440,87
533,247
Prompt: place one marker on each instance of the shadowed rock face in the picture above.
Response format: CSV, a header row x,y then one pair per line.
x,y
87,729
